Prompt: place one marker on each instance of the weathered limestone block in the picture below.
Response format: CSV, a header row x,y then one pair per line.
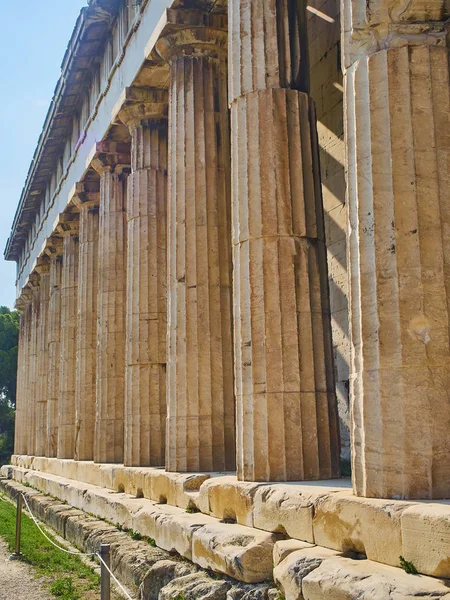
x,y
283,353
22,461
146,521
200,394
240,552
124,479
197,586
160,575
398,194
280,508
175,532
145,114
346,579
43,268
369,526
227,498
178,489
112,162
54,350
284,548
68,341
244,591
291,572
426,538
85,395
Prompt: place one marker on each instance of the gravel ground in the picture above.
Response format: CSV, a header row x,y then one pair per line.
x,y
17,580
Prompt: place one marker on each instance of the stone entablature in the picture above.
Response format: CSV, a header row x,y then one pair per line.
x,y
98,60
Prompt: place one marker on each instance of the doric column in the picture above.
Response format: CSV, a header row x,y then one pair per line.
x,y
68,229
200,395
33,364
85,389
112,162
145,113
22,370
26,399
43,268
286,407
397,134
54,251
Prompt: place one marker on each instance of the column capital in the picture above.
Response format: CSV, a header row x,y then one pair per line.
x,y
86,200
43,265
375,25
54,246
137,104
20,304
26,295
68,224
109,156
194,33
34,283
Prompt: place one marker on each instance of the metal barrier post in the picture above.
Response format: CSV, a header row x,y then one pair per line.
x,y
105,585
17,554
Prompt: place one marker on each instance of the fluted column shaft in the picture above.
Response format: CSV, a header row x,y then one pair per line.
x,y
68,345
20,442
54,353
109,424
287,421
146,337
20,400
26,376
200,395
42,362
33,366
397,129
85,394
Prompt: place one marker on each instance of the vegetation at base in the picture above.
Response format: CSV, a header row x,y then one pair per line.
x,y
135,535
151,542
280,596
192,510
63,588
71,578
180,597
9,339
408,566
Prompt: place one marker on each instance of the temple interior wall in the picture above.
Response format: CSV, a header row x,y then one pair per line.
x,y
326,89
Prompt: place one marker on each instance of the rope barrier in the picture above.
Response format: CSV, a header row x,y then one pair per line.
x,y
7,501
114,577
77,553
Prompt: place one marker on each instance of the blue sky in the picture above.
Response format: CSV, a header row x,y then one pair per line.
x,y
33,41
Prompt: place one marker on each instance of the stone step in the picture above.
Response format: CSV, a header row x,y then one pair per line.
x,y
325,513
243,553
319,573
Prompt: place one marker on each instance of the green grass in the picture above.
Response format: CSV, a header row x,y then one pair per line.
x,y
70,578
63,588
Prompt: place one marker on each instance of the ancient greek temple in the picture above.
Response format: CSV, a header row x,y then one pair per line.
x,y
233,263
